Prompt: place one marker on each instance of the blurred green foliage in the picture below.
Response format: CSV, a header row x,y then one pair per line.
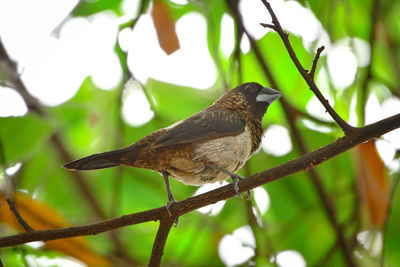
x,y
91,122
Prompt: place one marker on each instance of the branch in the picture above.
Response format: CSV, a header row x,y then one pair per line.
x,y
21,221
159,242
10,192
363,89
315,62
308,77
291,117
303,163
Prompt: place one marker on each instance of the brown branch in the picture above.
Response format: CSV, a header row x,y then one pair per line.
x,y
291,117
315,62
21,221
303,163
307,77
159,242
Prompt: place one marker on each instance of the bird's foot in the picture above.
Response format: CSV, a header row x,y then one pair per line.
x,y
235,180
169,203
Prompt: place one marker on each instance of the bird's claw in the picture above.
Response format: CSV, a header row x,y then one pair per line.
x,y
249,195
169,203
235,180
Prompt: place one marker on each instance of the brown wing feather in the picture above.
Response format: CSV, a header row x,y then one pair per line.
x,y
203,126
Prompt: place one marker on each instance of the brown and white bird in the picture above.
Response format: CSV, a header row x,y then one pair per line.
x,y
209,146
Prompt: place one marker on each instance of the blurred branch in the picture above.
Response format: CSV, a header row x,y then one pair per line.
x,y
10,192
300,113
363,90
34,105
21,221
291,118
237,54
264,246
395,187
303,163
308,76
159,242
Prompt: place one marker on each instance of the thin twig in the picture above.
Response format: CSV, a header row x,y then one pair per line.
x,y
159,242
308,78
21,221
10,192
315,62
303,163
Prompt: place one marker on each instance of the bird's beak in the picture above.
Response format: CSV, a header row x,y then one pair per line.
x,y
268,95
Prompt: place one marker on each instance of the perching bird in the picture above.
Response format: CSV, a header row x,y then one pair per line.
x,y
209,146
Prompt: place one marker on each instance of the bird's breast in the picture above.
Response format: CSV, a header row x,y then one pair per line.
x,y
229,153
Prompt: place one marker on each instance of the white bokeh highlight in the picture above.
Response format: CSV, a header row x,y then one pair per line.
x,y
362,51
10,171
290,258
136,110
371,241
390,142
44,261
317,110
191,65
316,126
11,103
238,247
56,53
227,41
254,12
262,199
306,24
342,66
276,141
245,44
212,209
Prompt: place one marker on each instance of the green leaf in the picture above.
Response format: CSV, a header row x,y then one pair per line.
x,y
22,137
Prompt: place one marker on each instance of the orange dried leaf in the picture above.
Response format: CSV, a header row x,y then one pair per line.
x,y
165,28
373,182
42,217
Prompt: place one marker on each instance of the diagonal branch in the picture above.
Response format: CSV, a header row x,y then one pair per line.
x,y
303,163
291,118
308,77
159,242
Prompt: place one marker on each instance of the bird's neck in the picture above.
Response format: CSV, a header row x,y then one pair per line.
x,y
255,126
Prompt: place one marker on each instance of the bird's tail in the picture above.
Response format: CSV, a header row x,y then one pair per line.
x,y
98,161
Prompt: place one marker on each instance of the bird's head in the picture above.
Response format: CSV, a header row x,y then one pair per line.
x,y
252,97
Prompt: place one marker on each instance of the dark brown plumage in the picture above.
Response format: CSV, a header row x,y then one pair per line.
x,y
206,147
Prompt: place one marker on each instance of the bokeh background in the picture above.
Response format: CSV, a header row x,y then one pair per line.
x,y
80,77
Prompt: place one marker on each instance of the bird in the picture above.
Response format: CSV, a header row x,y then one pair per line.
x,y
209,146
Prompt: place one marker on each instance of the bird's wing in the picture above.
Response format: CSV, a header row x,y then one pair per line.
x,y
206,125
